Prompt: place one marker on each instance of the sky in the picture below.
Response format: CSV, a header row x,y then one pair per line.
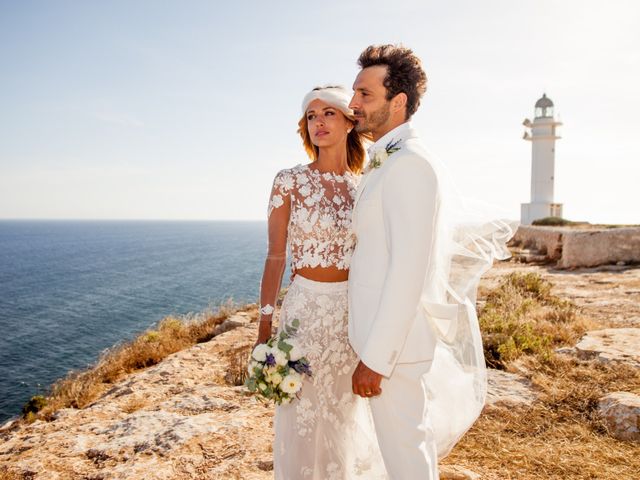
x,y
187,109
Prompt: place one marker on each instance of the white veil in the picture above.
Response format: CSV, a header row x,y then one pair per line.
x,y
469,239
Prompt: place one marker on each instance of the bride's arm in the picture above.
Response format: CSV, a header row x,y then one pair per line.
x,y
274,265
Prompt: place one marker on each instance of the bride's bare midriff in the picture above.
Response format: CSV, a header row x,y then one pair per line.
x,y
323,274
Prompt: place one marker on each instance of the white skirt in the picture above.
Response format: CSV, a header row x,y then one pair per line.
x,y
328,432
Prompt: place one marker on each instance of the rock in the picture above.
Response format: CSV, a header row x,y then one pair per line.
x,y
175,420
265,465
566,351
508,389
455,472
611,344
621,413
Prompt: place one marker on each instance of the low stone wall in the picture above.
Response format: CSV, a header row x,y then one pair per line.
x,y
591,248
573,248
545,240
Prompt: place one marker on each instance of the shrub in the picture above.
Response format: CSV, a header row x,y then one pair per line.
x,y
34,405
552,221
521,316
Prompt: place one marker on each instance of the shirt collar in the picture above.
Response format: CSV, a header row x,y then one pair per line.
x,y
401,131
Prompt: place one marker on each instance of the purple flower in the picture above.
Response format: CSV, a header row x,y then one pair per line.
x,y
270,360
301,367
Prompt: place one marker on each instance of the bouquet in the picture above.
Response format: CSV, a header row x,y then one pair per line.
x,y
276,368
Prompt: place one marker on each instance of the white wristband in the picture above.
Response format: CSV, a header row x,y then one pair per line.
x,y
267,309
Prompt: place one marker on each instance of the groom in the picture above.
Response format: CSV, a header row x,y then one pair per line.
x,y
395,217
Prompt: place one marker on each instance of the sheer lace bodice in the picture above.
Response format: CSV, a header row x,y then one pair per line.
x,y
319,221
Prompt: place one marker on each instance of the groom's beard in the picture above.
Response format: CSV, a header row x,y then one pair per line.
x,y
373,121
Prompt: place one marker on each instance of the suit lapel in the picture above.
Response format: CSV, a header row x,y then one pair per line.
x,y
407,135
361,185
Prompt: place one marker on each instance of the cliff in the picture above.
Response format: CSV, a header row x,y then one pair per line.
x,y
186,417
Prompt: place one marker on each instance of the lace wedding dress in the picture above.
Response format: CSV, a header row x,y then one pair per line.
x,y
328,433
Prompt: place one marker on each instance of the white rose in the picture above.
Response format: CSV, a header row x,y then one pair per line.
x,y
380,156
262,386
276,378
296,352
260,352
279,356
291,383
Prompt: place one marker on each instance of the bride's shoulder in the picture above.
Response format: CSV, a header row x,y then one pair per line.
x,y
288,177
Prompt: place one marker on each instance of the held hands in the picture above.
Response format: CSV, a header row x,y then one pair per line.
x,y
365,382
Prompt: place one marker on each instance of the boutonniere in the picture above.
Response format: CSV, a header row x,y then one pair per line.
x,y
380,155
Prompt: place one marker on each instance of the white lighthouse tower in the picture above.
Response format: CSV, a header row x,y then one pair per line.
x,y
543,135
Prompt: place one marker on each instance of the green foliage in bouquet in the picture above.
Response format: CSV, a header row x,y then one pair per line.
x,y
276,368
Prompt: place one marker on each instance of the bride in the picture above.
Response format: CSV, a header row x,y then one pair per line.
x,y
328,432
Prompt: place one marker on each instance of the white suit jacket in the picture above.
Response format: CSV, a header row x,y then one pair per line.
x,y
394,217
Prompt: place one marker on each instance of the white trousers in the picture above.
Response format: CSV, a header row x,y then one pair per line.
x,y
404,432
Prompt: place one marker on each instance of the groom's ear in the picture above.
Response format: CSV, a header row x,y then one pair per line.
x,y
399,102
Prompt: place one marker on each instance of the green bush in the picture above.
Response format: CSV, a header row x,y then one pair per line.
x,y
522,317
33,406
552,222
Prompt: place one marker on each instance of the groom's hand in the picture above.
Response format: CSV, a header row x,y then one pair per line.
x,y
365,382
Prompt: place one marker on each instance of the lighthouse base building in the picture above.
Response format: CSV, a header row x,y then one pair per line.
x,y
535,211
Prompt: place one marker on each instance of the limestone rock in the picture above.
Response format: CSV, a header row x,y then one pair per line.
x,y
621,413
176,420
508,389
611,344
455,472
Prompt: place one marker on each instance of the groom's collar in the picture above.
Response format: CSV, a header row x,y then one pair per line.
x,y
401,132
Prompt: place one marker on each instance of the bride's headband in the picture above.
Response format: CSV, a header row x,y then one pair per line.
x,y
334,95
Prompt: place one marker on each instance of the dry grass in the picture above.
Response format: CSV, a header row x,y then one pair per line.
x,y
6,474
79,389
134,404
238,362
522,317
561,435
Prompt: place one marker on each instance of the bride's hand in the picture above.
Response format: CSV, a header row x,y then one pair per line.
x,y
261,339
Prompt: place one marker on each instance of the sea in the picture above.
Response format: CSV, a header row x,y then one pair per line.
x,y
70,289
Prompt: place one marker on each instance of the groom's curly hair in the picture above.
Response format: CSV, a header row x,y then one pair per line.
x,y
404,72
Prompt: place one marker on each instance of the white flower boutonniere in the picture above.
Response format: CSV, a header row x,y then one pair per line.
x,y
380,156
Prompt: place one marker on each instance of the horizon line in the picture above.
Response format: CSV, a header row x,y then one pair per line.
x,y
83,219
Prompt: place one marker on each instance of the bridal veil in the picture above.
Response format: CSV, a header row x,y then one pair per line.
x,y
468,241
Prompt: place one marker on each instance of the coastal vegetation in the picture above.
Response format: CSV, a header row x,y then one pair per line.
x,y
522,317
79,388
529,329
560,435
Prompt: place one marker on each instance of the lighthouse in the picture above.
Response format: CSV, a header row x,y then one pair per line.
x,y
542,133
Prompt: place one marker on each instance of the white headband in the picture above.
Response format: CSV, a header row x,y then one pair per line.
x,y
336,96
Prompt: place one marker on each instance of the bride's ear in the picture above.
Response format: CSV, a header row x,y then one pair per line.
x,y
350,126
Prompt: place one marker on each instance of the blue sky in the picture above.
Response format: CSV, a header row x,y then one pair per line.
x,y
186,110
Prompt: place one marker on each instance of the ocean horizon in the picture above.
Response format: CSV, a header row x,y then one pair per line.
x,y
70,289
